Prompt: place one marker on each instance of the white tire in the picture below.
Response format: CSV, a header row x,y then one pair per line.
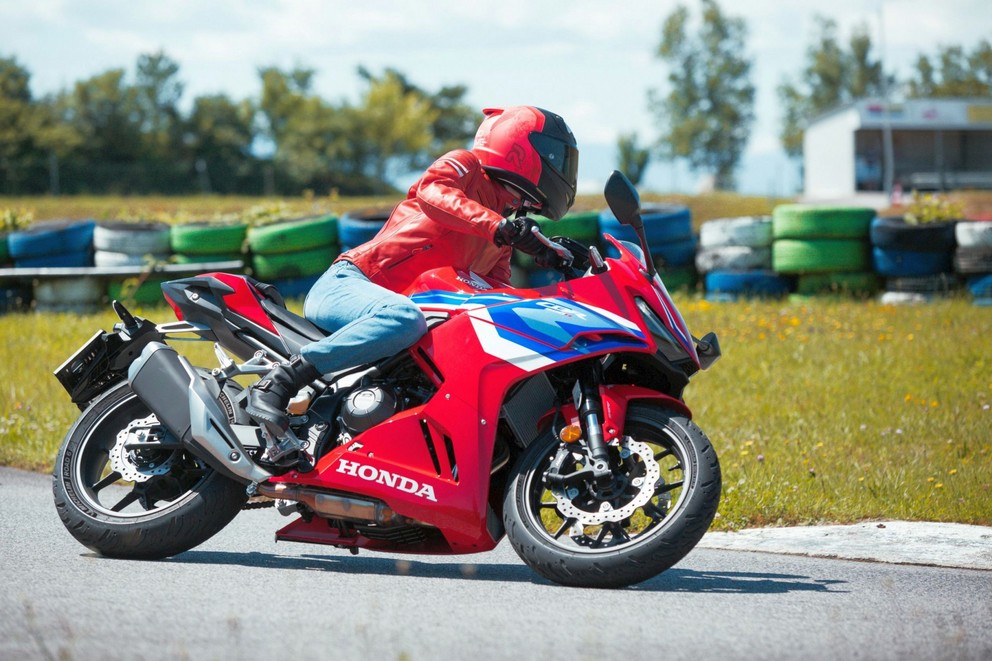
x,y
733,258
69,291
973,233
751,231
132,238
108,258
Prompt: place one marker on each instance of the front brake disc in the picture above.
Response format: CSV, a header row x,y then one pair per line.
x,y
644,484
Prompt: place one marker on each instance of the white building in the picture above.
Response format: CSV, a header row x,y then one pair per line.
x,y
937,144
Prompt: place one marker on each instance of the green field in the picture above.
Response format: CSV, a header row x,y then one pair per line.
x,y
820,410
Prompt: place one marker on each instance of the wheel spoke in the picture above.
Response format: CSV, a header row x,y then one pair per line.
x,y
130,498
662,454
618,532
564,526
671,486
106,482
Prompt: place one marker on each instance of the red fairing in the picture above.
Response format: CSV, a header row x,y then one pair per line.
x,y
244,300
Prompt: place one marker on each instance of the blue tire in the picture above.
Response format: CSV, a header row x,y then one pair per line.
x,y
676,253
358,227
295,287
52,238
750,283
663,223
64,260
896,263
981,286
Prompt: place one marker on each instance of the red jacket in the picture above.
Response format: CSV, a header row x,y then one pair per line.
x,y
448,218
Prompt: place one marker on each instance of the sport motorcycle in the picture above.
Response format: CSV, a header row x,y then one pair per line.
x,y
553,416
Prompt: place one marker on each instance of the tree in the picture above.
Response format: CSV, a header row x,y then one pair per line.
x,y
633,159
707,114
157,91
953,73
16,112
832,76
218,136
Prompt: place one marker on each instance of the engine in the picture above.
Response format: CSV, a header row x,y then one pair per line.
x,y
366,407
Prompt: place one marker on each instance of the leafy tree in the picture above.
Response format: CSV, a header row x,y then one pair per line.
x,y
218,136
707,114
832,76
633,159
157,91
16,123
953,73
455,124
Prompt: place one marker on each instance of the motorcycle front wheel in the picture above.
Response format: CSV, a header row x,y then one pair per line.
x,y
125,487
661,500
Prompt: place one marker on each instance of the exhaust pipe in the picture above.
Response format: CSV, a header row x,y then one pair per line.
x,y
336,506
187,405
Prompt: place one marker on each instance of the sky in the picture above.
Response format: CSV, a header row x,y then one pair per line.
x,y
593,62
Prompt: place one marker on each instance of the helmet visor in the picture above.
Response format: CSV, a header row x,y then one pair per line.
x,y
559,155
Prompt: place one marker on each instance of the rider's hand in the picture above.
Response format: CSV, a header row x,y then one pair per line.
x,y
525,235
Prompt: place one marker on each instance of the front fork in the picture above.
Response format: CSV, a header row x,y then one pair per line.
x,y
590,409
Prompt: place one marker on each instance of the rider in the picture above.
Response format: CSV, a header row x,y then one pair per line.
x,y
457,214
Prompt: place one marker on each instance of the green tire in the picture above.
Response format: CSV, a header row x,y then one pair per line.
x,y
149,292
207,239
861,283
800,221
4,251
820,256
201,259
293,264
293,235
680,279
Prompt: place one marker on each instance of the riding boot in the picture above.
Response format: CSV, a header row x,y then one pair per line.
x,y
268,399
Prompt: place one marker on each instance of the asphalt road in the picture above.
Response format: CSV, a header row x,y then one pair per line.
x,y
242,596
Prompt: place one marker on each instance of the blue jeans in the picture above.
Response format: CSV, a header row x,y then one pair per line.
x,y
366,322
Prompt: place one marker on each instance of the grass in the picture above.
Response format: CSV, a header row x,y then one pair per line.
x,y
820,410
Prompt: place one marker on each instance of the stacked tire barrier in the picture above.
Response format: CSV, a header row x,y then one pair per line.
x,y
582,226
58,244
735,259
195,243
914,260
54,243
132,244
825,248
668,229
13,296
293,254
973,258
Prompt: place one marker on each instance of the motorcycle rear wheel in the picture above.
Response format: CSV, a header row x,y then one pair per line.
x,y
665,494
139,504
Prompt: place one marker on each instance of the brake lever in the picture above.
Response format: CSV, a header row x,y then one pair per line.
x,y
564,253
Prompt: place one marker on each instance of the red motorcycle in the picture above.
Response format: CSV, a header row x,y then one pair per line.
x,y
553,416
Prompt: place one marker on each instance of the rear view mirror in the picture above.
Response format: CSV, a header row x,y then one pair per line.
x,y
623,199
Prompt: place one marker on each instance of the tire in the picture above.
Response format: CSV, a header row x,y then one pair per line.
x,y
900,235
942,283
747,283
78,258
896,263
358,227
208,239
660,531
293,235
850,284
136,290
60,291
108,258
202,258
819,256
132,238
56,237
675,253
294,264
4,249
663,223
749,231
973,259
684,278
799,221
183,506
733,258
970,233
296,287
980,286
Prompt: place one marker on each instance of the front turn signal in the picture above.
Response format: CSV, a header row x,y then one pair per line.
x,y
570,433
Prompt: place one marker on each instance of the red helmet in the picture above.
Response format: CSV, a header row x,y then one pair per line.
x,y
532,150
